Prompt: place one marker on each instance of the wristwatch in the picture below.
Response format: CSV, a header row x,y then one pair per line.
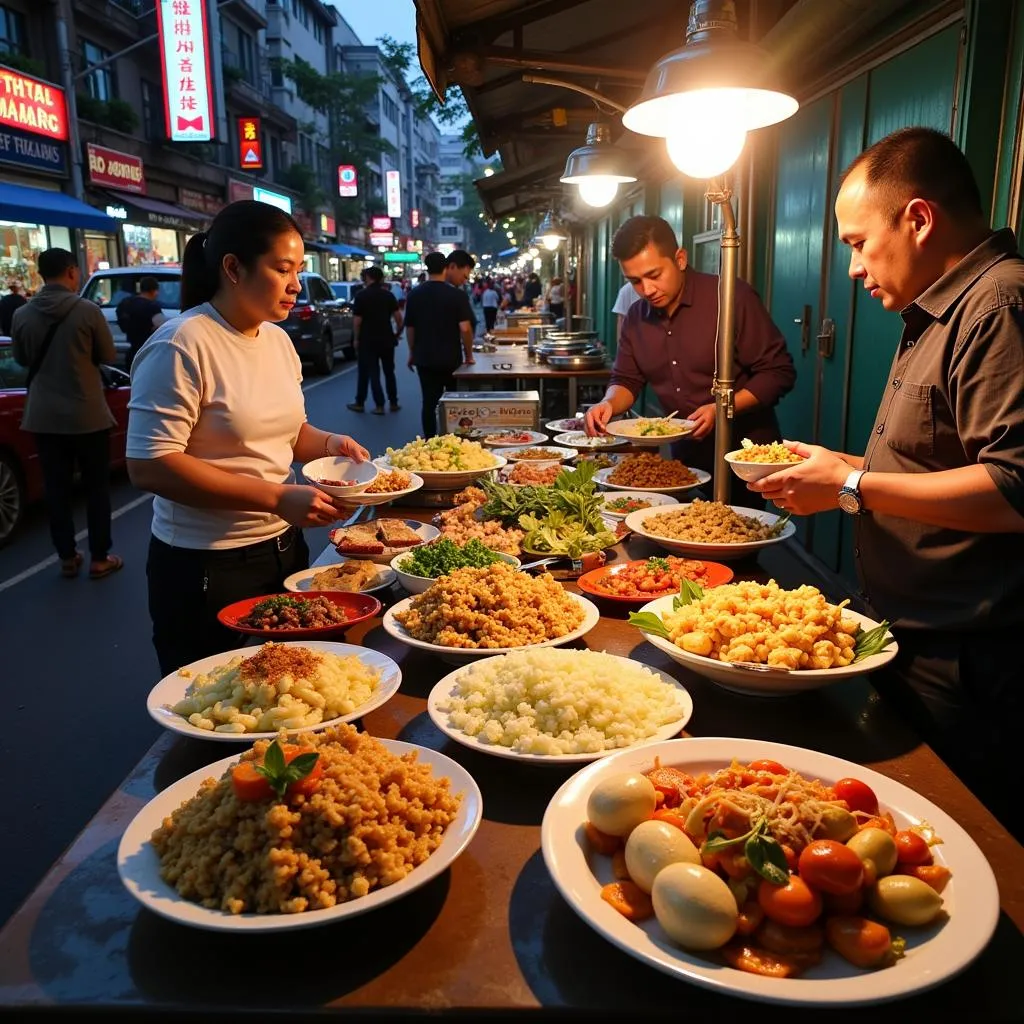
x,y
849,494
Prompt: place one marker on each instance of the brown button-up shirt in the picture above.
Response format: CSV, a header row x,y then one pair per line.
x,y
955,397
676,356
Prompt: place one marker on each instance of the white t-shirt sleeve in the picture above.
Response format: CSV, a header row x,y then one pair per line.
x,y
165,402
626,297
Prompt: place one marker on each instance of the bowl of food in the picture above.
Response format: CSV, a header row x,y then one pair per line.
x,y
650,472
650,431
644,579
444,463
298,617
790,640
581,439
530,474
340,477
512,438
577,423
609,855
539,453
349,575
756,461
416,571
389,485
709,529
458,618
620,503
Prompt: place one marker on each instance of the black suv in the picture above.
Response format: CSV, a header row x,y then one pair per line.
x,y
320,325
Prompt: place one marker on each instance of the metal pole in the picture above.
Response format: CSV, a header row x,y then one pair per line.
x,y
721,195
67,80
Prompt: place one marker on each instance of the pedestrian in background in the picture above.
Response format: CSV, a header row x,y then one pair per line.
x,y
139,316
626,297
9,305
490,300
62,339
532,290
556,298
376,326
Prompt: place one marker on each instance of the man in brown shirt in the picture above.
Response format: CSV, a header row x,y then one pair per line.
x,y
938,495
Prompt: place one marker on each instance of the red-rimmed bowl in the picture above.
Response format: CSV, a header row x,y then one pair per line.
x,y
589,582
356,606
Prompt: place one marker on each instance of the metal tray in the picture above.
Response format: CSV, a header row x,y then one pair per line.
x,y
576,362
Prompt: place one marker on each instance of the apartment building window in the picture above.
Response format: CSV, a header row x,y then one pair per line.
x,y
100,84
276,75
390,108
152,111
451,231
306,150
318,31
323,159
276,157
12,31
450,202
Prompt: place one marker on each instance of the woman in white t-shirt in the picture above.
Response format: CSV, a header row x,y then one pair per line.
x,y
216,419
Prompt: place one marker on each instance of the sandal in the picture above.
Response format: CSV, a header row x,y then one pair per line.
x,y
109,564
69,566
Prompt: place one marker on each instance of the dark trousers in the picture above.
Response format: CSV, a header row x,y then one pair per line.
x,y
58,456
371,360
962,694
433,384
490,315
187,587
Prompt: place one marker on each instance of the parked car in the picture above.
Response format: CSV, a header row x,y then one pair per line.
x,y
21,481
346,290
108,287
320,325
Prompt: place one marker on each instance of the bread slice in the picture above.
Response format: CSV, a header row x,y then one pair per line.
x,y
396,534
355,540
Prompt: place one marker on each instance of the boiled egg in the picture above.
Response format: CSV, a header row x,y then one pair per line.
x,y
652,846
619,803
694,906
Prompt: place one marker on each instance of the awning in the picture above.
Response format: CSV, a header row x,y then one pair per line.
x,y
143,210
343,249
38,205
315,246
508,252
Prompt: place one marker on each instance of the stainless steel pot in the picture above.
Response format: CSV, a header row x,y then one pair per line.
x,y
535,335
557,336
581,361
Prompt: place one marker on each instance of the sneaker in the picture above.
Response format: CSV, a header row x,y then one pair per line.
x,y
395,407
355,406
379,411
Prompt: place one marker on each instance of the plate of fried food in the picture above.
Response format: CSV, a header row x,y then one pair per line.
x,y
710,529
379,540
475,612
530,474
539,453
389,485
349,575
756,461
255,692
645,579
649,472
758,638
232,848
557,706
650,431
770,872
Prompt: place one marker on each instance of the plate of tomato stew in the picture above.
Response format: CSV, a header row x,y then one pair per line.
x,y
298,617
646,578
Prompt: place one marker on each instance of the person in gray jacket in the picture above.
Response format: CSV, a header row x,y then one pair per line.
x,y
62,339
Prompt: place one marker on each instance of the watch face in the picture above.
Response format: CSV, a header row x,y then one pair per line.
x,y
849,502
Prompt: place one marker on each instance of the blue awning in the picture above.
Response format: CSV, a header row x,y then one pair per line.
x,y
342,249
39,206
508,252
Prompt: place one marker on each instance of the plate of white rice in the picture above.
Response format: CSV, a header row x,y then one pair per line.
x,y
550,706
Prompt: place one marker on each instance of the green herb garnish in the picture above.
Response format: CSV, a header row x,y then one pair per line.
x,y
274,606
872,641
762,850
656,564
280,774
779,525
445,556
648,622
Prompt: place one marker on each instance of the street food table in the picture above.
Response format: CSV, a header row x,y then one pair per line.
x,y
511,362
492,932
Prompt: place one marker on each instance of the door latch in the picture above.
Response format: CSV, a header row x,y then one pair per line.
x,y
805,329
827,339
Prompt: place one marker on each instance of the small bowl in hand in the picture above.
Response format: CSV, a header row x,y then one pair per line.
x,y
340,477
750,471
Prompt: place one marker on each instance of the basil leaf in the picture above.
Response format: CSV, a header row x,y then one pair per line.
x,y
689,591
767,858
304,763
719,841
648,622
274,760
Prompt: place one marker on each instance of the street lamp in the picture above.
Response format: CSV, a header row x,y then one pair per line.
x,y
703,99
551,232
597,168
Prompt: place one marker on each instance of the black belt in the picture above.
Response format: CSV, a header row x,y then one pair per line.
x,y
279,544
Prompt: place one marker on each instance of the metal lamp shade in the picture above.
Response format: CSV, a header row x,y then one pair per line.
x,y
597,159
551,227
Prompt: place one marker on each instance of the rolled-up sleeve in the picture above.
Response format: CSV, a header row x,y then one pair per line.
x,y
987,395
165,403
761,350
626,371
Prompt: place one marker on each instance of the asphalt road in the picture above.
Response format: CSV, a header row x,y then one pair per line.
x,y
76,660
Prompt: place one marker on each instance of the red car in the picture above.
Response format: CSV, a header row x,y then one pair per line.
x,y
20,479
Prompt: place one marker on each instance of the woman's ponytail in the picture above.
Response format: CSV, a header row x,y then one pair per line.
x,y
198,279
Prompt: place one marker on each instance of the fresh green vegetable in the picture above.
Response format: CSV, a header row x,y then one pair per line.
x,y
445,556
558,534
655,564
648,622
779,525
762,850
280,773
872,641
274,606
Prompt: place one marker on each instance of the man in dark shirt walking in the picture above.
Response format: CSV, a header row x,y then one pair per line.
x,y
9,305
139,316
376,336
440,336
460,266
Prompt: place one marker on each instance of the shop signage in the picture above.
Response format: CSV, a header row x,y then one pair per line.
x,y
382,239
401,257
378,223
410,245
23,150
112,169
250,146
264,195
32,105
327,225
202,202
348,181
185,67
117,212
393,191
239,190
414,217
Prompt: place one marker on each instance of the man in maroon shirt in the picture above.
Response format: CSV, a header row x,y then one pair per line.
x,y
668,341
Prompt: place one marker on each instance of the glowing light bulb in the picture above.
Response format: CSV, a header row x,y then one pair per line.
x,y
598,190
706,147
551,242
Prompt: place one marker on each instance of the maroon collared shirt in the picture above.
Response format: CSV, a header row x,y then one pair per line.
x,y
955,397
675,355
